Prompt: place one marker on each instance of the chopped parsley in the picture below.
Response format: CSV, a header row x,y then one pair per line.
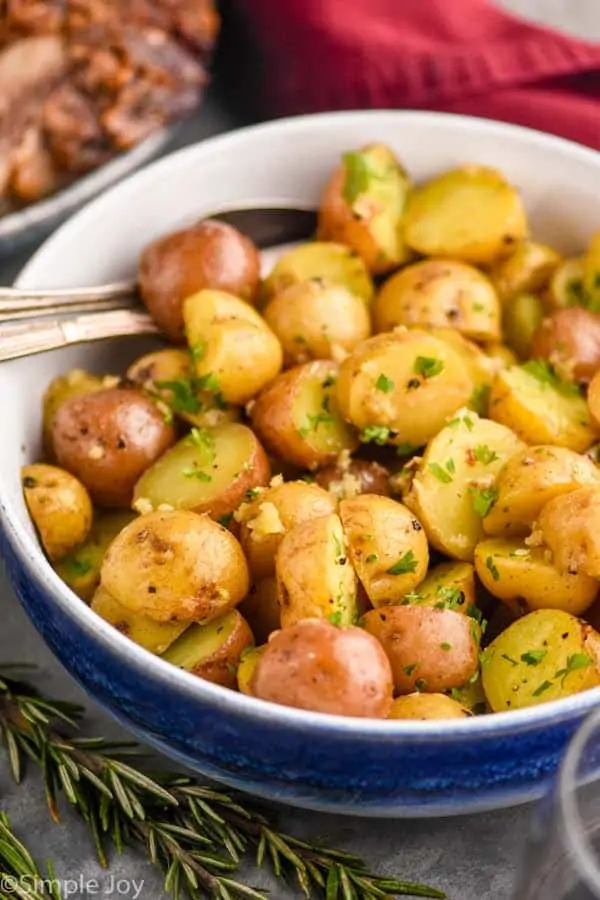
x,y
359,174
490,566
484,454
467,421
376,434
251,493
408,670
203,439
194,472
371,558
483,499
449,598
478,401
76,567
446,646
406,449
533,657
407,563
198,350
544,686
335,618
574,661
225,520
314,421
441,473
384,384
330,380
428,366
545,373
183,395
509,659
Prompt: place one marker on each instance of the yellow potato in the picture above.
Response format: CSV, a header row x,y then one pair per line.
x,y
148,633
567,284
500,354
315,579
213,651
570,526
80,568
521,319
59,506
591,273
471,214
261,609
471,696
427,706
440,294
235,352
448,585
75,383
525,579
247,667
528,269
481,365
400,388
387,546
332,262
454,485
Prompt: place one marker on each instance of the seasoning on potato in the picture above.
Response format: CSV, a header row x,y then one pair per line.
x,y
427,706
350,477
213,651
449,585
569,526
331,262
60,507
570,340
566,285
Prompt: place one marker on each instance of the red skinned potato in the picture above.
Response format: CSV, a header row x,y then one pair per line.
x,y
108,439
210,254
570,338
317,666
348,478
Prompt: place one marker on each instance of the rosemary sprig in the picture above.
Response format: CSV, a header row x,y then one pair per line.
x,y
197,835
20,875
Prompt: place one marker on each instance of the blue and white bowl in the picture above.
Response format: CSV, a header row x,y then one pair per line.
x,y
378,768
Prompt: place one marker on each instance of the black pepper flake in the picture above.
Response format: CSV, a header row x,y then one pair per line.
x,y
121,443
29,482
151,589
416,525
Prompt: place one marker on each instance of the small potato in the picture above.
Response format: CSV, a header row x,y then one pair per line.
x,y
176,567
235,352
521,320
210,255
528,269
247,667
400,388
331,262
351,477
314,665
471,214
315,579
440,293
261,609
75,383
570,526
316,320
448,585
266,517
471,696
427,706
363,204
108,439
298,419
60,507
525,579
591,272
482,366
80,569
593,399
387,546
154,636
531,478
566,285
546,655
211,470
213,651
541,408
431,650
570,340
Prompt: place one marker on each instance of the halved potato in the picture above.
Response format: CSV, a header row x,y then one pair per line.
x,y
74,383
60,508
449,585
567,284
350,477
528,269
213,651
261,609
334,263
481,364
471,213
427,706
298,418
80,569
315,579
387,546
209,471
526,579
154,636
570,526
247,666
454,485
521,319
591,273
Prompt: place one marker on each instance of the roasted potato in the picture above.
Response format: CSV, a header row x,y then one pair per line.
x,y
80,568
525,579
427,706
266,517
246,668
566,285
316,320
591,273
471,214
570,526
430,650
449,585
363,204
315,665
387,546
59,506
481,365
331,262
75,383
438,293
546,655
315,579
148,633
210,255
401,387
211,470
298,419
527,270
521,319
350,477
531,478
570,340
176,567
235,352
108,439
213,651
541,408
261,609
453,488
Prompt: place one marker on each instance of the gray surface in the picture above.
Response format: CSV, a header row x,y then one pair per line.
x,y
472,858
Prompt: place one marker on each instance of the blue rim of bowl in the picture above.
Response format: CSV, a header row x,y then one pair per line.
x,y
27,550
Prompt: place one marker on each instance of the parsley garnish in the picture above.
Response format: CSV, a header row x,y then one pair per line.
x,y
406,563
251,493
359,174
384,384
203,439
544,372
408,670
478,401
372,557
484,454
461,420
225,520
438,472
335,618
406,449
428,366
198,474
330,380
450,598
198,350
483,499
533,657
376,434
543,687
183,395
574,661
492,569
509,659
446,646
76,566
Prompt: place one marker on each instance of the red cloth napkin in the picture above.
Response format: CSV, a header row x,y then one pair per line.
x,y
468,56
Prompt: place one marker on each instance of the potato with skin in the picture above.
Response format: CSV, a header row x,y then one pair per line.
x,y
210,470
315,578
570,340
80,569
449,585
546,655
316,320
427,706
387,546
298,419
247,667
525,579
527,270
348,478
570,526
59,506
471,214
430,650
108,439
269,515
521,319
481,365
362,206
156,637
213,651
210,254
400,388
566,285
531,478
332,262
261,609
74,383
316,666
439,293
234,350
176,567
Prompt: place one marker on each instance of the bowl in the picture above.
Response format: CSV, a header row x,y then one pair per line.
x,y
355,766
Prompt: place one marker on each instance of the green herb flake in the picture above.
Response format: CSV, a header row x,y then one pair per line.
x,y
428,366
407,563
183,397
203,439
450,598
543,687
483,499
375,434
479,399
252,493
545,374
408,670
384,384
438,472
489,564
450,466
198,350
77,567
198,474
335,618
225,520
359,174
330,380
574,662
371,558
509,659
484,454
446,646
533,657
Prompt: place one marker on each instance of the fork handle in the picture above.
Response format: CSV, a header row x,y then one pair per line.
x,y
26,340
101,292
